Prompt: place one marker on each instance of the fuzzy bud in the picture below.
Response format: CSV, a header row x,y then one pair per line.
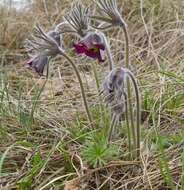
x,y
114,90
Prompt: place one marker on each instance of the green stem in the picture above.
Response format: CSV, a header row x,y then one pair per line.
x,y
130,107
138,115
81,86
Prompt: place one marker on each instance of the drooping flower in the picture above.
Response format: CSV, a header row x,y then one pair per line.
x,y
41,47
92,45
114,90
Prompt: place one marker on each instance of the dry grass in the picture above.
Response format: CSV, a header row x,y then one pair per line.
x,y
156,31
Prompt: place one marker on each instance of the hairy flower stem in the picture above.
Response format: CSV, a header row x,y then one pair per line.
x,y
130,107
48,65
96,77
109,55
111,66
81,86
128,128
98,89
127,49
138,115
113,123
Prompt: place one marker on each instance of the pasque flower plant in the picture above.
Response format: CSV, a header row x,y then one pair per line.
x,y
117,85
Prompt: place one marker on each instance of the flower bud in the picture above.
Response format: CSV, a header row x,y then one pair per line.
x,y
114,90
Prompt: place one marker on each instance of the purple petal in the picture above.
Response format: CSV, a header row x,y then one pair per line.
x,y
94,53
80,48
91,54
38,63
101,56
91,45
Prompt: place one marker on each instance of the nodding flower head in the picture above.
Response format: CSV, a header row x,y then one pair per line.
x,y
114,91
92,45
41,46
78,19
109,10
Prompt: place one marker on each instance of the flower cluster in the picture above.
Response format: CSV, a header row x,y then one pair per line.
x,y
93,44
